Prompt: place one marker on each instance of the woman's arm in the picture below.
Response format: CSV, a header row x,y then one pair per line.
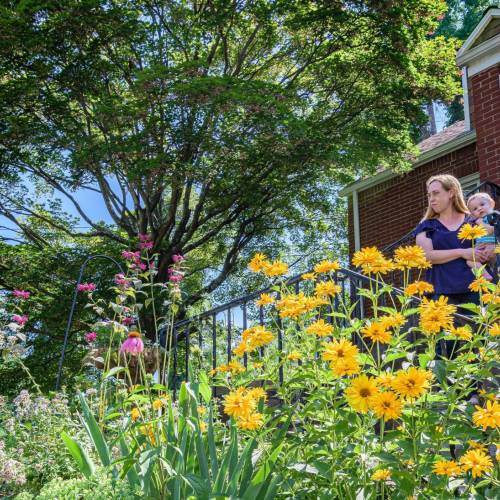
x,y
444,256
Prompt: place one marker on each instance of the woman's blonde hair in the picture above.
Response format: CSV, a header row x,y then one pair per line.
x,y
449,183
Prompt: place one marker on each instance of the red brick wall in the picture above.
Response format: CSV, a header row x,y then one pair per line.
x,y
485,90
389,210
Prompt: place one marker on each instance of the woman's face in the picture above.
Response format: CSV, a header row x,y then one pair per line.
x,y
439,198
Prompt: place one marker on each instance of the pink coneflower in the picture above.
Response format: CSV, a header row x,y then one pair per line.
x,y
20,320
21,294
178,258
145,237
127,321
131,255
139,265
90,337
133,345
176,278
86,287
146,245
121,281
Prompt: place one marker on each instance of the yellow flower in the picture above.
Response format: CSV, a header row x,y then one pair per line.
x,y
264,300
381,475
411,257
277,268
319,328
487,417
203,427
294,356
309,276
469,232
257,263
385,380
250,422
490,298
157,404
326,289
386,405
147,430
487,395
345,366
395,320
377,332
412,383
201,411
135,414
360,392
418,288
339,350
257,364
479,285
295,305
238,403
462,332
436,315
495,329
327,266
475,445
371,260
477,462
257,393
232,367
253,338
446,468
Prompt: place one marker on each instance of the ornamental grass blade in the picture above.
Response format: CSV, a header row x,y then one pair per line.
x,y
84,462
129,467
260,483
221,475
242,465
94,432
214,464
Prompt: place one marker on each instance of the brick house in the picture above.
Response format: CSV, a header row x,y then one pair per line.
x,y
469,150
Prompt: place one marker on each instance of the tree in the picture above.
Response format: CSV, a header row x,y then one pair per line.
x,y
459,22
207,124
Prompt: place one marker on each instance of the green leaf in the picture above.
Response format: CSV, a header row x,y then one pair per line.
x,y
214,465
85,464
204,387
94,432
199,486
129,467
114,371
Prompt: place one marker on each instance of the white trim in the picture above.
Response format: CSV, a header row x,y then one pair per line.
x,y
487,53
465,87
490,14
355,221
459,142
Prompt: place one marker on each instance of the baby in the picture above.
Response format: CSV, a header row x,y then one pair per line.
x,y
480,206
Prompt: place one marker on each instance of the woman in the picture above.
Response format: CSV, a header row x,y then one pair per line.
x,y
437,234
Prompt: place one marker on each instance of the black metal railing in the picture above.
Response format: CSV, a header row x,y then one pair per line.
x,y
487,186
216,332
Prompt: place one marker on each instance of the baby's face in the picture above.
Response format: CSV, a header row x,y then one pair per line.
x,y
479,207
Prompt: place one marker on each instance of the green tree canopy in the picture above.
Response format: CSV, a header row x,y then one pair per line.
x,y
212,125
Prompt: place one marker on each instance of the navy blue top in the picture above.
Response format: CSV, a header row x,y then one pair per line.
x,y
454,276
